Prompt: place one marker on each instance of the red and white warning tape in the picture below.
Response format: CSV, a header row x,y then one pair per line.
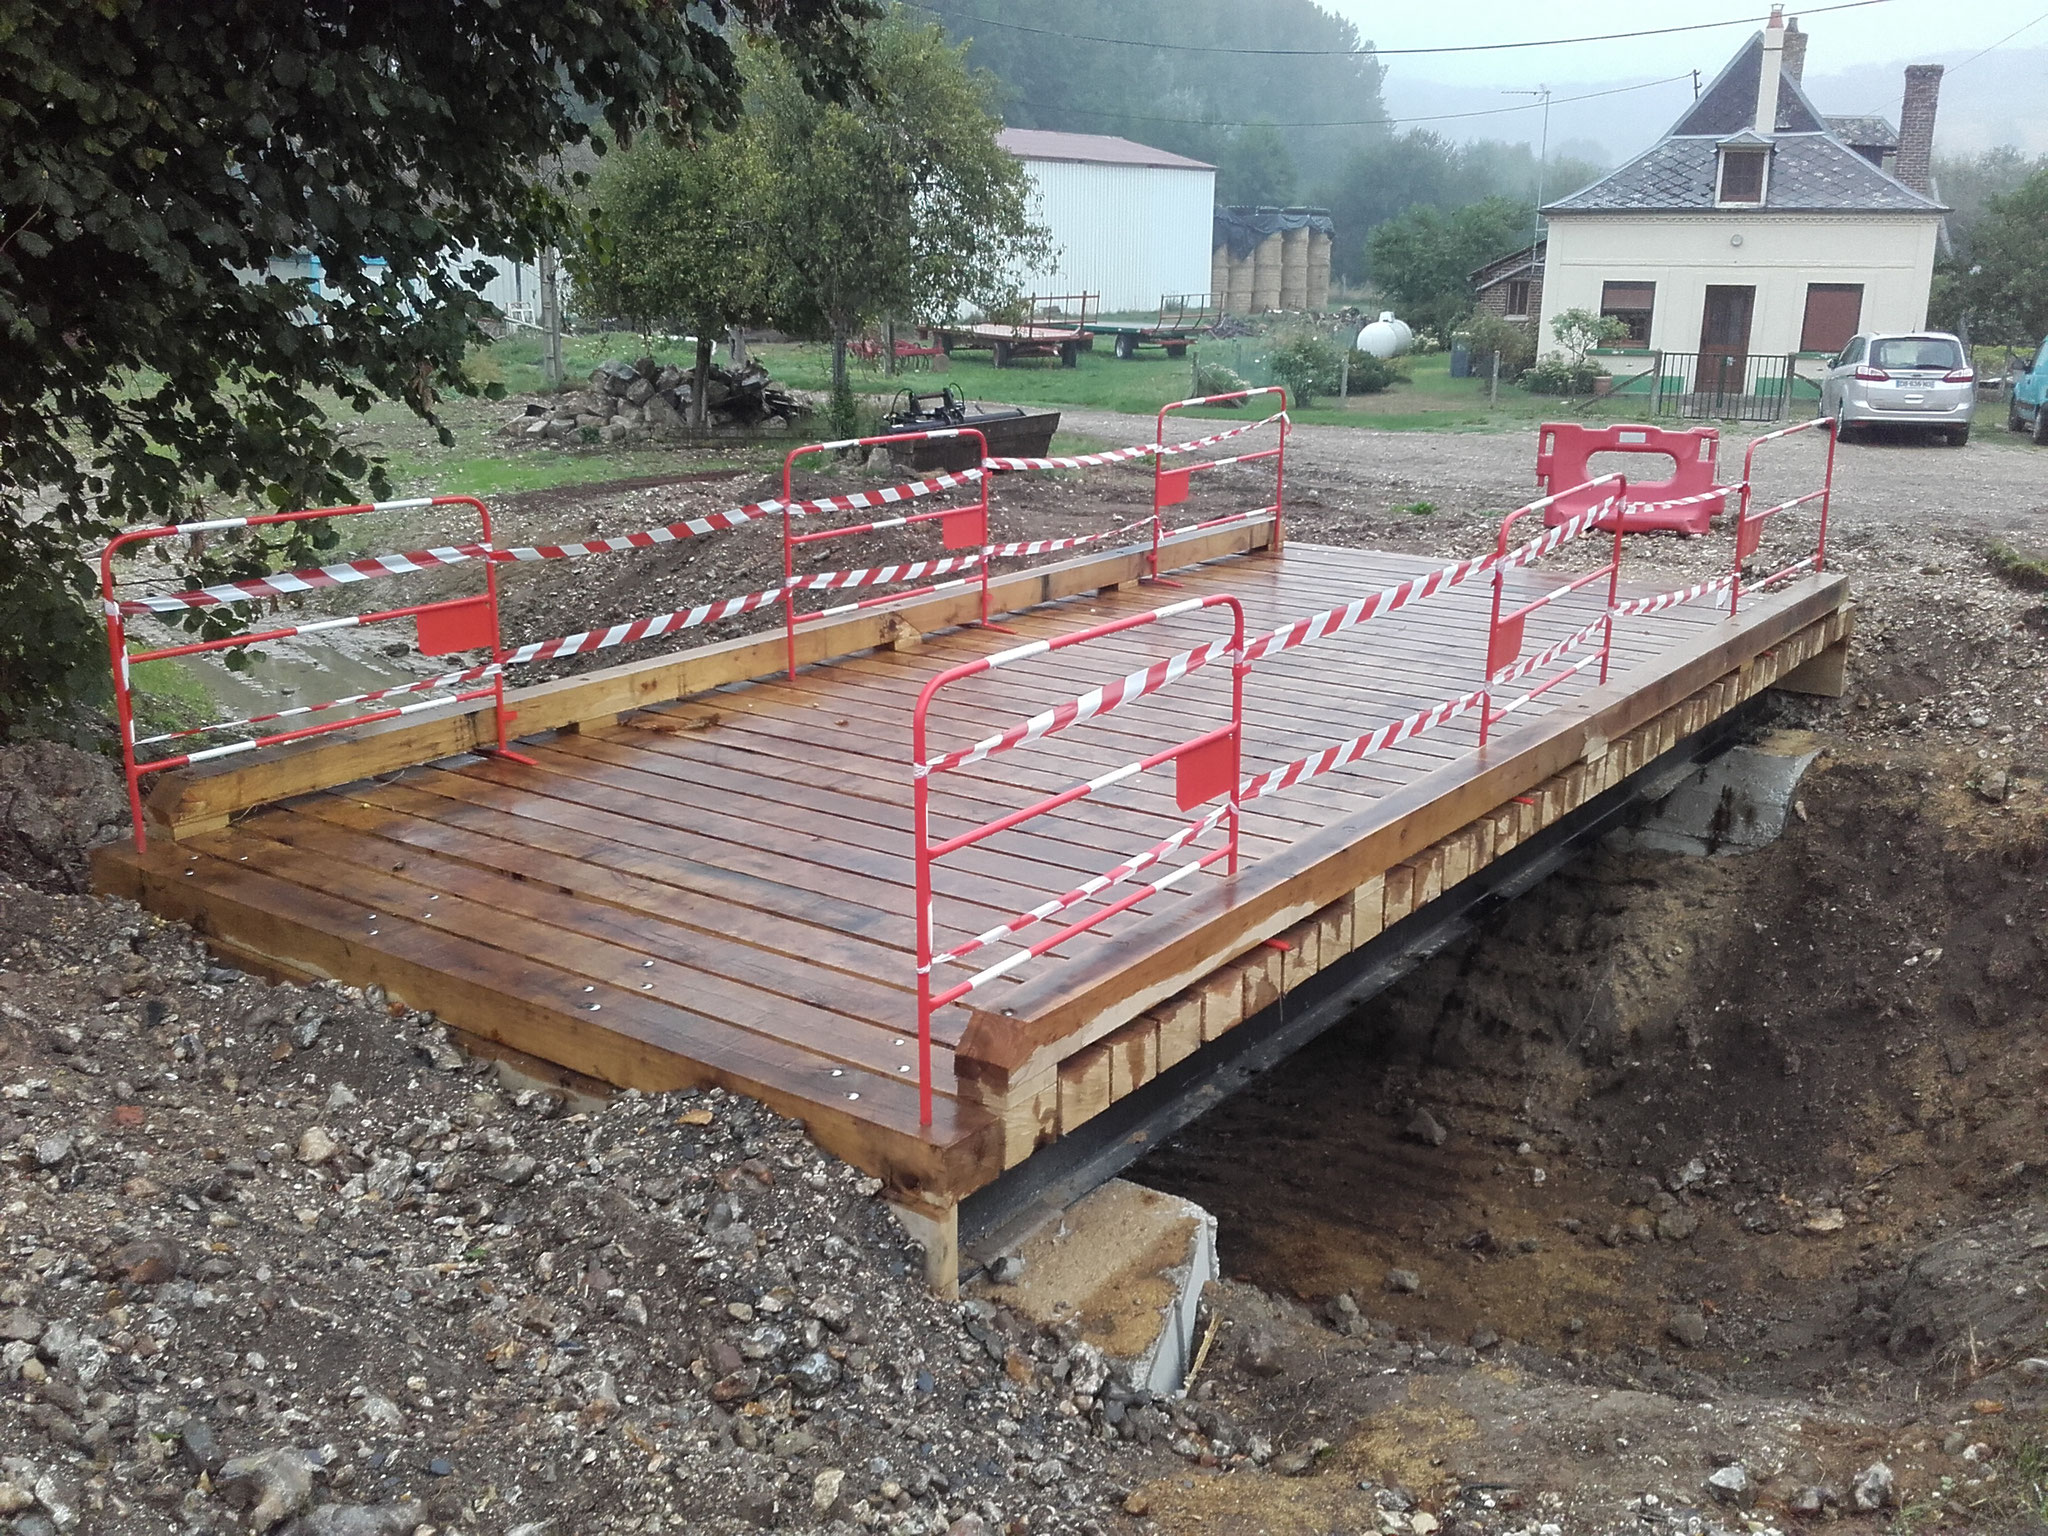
x,y
1662,600
643,629
1050,546
1345,616
424,685
1136,451
880,575
287,583
1096,701
1693,500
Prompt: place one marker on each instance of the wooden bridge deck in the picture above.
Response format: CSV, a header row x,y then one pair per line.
x,y
718,889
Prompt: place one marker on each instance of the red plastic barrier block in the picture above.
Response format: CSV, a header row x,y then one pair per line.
x,y
1206,772
460,626
1172,488
965,528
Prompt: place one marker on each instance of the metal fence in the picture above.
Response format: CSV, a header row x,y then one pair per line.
x,y
1712,386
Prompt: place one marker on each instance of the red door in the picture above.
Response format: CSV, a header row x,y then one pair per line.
x,y
1724,340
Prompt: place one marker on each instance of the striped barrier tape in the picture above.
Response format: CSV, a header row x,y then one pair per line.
x,y
888,597
1096,701
312,579
718,522
1051,546
1672,599
643,629
880,575
1136,451
425,685
206,754
1331,621
1255,515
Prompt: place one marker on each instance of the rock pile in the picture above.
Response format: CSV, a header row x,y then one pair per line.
x,y
630,402
281,1259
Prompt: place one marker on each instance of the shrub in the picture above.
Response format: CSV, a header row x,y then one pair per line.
x,y
1215,379
1579,331
1514,340
1308,365
1557,374
1369,374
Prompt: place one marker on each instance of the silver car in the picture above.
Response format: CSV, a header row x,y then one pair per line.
x,y
1922,379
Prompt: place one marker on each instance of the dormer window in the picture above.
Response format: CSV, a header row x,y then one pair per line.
x,y
1745,171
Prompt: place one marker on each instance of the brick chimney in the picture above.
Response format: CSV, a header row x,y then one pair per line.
x,y
1795,52
1916,126
1767,78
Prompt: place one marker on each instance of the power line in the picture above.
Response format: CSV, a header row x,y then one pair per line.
x,y
1540,42
2015,32
1363,122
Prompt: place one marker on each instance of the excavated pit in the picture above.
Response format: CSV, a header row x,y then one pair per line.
x,y
1672,1115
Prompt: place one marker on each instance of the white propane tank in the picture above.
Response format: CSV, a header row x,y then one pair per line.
x,y
1386,336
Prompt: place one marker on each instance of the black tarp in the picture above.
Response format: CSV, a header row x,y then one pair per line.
x,y
1242,229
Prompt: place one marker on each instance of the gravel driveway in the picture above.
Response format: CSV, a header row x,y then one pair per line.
x,y
1998,484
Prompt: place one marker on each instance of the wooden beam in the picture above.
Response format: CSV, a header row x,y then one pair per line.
x,y
183,801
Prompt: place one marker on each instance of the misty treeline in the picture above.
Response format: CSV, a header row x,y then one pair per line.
x,y
1245,111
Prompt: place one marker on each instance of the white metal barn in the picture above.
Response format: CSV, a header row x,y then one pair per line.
x,y
1128,222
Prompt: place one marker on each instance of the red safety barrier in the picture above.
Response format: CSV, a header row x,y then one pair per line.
x,y
1205,766
442,627
1686,503
963,528
1170,484
1749,523
1505,631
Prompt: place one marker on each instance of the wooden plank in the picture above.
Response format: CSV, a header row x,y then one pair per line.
x,y
187,797
1084,1087
537,1010
1368,910
1089,998
1133,1056
1180,1026
1302,957
1398,884
1222,994
1028,1118
1262,969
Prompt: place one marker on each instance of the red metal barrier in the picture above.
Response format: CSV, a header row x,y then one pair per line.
x,y
1686,503
963,528
1170,485
1504,632
443,627
1205,766
1749,524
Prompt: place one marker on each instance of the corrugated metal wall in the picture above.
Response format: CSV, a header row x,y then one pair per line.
x,y
1127,232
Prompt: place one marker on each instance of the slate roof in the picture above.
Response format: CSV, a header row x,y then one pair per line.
x,y
1813,169
1515,264
1864,132
1091,149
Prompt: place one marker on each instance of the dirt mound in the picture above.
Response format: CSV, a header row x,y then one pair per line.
x,y
55,803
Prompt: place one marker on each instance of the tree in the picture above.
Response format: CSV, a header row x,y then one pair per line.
x,y
1256,168
1999,291
162,167
900,204
1423,259
679,233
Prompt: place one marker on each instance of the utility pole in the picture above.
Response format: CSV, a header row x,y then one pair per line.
x,y
1542,156
550,320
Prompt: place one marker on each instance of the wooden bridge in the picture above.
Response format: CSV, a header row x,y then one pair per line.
x,y
704,874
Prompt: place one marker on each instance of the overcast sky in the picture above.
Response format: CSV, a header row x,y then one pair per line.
x,y
1853,63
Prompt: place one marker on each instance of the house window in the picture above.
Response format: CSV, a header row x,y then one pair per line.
x,y
1742,175
1833,312
1631,304
1518,299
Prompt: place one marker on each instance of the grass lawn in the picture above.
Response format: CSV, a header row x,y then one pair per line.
x,y
1430,399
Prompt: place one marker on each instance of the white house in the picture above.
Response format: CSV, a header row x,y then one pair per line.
x,y
1128,222
1755,227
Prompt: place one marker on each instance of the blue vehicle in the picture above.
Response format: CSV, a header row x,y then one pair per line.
x,y
2028,411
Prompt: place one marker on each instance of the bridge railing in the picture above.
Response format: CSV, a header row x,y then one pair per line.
x,y
963,528
1205,768
442,627
1752,521
1172,476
